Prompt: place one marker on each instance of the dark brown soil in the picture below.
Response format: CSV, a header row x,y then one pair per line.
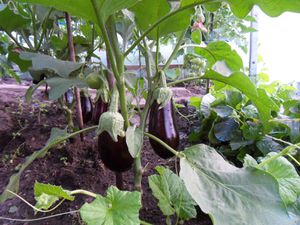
x,y
72,165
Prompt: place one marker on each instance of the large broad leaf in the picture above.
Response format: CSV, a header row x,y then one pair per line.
x,y
231,195
156,9
221,51
241,8
60,85
9,21
284,172
117,208
287,176
172,195
56,136
85,9
42,62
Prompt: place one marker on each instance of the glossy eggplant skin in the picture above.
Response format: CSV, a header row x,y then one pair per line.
x,y
87,108
42,77
162,124
100,107
69,97
114,155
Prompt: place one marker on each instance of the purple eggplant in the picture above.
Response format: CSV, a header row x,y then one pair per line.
x,y
162,124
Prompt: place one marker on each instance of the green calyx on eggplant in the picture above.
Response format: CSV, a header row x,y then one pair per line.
x,y
86,107
111,140
114,155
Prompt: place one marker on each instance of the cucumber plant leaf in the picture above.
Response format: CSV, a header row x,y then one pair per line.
x,y
57,135
117,208
231,195
47,194
171,194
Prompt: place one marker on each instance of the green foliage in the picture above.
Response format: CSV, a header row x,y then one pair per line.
x,y
172,195
10,21
85,9
156,9
134,140
118,208
46,195
231,195
42,63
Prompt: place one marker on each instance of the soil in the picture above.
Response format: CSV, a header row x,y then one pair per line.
x,y
25,128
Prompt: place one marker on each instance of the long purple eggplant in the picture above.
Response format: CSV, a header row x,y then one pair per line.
x,y
162,124
87,108
100,107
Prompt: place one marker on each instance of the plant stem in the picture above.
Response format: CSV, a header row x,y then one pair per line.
x,y
285,151
175,50
44,28
119,180
73,59
293,158
184,80
83,192
177,154
157,23
285,142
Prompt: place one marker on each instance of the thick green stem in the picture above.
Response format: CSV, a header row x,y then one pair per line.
x,y
44,29
175,51
153,26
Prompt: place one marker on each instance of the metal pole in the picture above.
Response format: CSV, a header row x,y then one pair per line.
x,y
253,54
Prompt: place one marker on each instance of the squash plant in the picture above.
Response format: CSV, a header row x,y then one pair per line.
x,y
258,193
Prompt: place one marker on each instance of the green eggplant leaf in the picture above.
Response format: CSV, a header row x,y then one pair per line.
x,y
287,177
10,21
284,172
171,194
156,9
231,195
224,130
57,135
221,51
134,140
241,8
86,9
42,62
60,85
117,208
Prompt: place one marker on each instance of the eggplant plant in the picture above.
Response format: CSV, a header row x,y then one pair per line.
x,y
230,195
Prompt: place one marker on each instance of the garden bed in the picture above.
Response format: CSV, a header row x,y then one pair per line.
x,y
73,165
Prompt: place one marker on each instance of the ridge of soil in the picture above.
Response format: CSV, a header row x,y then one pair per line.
x,y
71,165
